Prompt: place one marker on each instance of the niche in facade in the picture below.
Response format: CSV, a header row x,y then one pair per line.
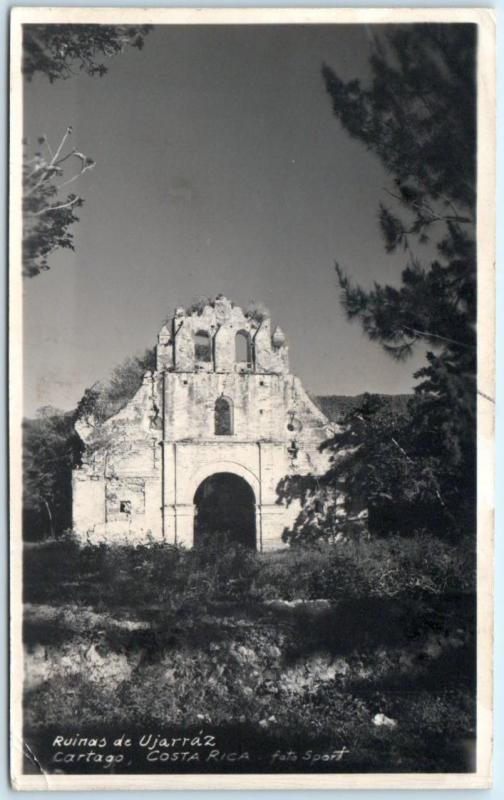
x,y
223,417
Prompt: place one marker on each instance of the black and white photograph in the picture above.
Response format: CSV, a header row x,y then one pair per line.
x,y
251,398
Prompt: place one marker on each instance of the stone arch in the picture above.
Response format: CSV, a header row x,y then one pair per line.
x,y
187,491
213,467
225,512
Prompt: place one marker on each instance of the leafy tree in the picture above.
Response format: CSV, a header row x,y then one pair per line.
x,y
418,116
48,212
106,398
337,407
385,473
320,518
59,51
51,448
377,481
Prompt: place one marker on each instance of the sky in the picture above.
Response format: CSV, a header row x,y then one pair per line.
x,y
220,168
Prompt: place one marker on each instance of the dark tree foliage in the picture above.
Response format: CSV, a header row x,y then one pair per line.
x,y
337,407
320,518
418,116
378,482
51,448
59,51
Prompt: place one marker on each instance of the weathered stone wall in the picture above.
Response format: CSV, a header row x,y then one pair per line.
x,y
143,466
121,465
222,322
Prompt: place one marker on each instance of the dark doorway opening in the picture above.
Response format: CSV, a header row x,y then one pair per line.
x,y
224,506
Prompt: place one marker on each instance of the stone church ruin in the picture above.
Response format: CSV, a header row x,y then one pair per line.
x,y
205,441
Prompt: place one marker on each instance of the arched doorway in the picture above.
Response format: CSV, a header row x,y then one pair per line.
x,y
224,505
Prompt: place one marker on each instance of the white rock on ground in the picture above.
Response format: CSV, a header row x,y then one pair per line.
x,y
382,721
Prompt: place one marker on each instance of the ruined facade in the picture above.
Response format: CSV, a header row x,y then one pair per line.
x,y
205,441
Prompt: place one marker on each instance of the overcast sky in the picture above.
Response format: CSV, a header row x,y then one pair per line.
x,y
219,168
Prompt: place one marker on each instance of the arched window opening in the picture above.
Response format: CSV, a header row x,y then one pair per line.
x,y
223,417
243,350
202,347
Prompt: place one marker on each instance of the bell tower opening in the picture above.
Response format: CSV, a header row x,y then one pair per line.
x,y
243,349
202,347
224,506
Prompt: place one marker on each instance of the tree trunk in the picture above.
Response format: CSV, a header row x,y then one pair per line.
x,y
51,520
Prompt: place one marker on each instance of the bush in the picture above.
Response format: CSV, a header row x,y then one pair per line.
x,y
158,574
144,575
395,566
369,568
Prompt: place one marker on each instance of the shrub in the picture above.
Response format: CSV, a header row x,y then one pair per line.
x,y
369,568
397,565
143,575
158,574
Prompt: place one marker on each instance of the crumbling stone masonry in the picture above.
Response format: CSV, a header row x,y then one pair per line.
x,y
221,402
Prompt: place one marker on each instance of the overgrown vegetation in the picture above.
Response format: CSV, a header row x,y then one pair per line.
x,y
220,570
51,448
382,479
105,398
306,644
254,310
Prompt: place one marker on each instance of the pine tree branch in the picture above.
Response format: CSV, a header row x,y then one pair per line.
x,y
431,335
